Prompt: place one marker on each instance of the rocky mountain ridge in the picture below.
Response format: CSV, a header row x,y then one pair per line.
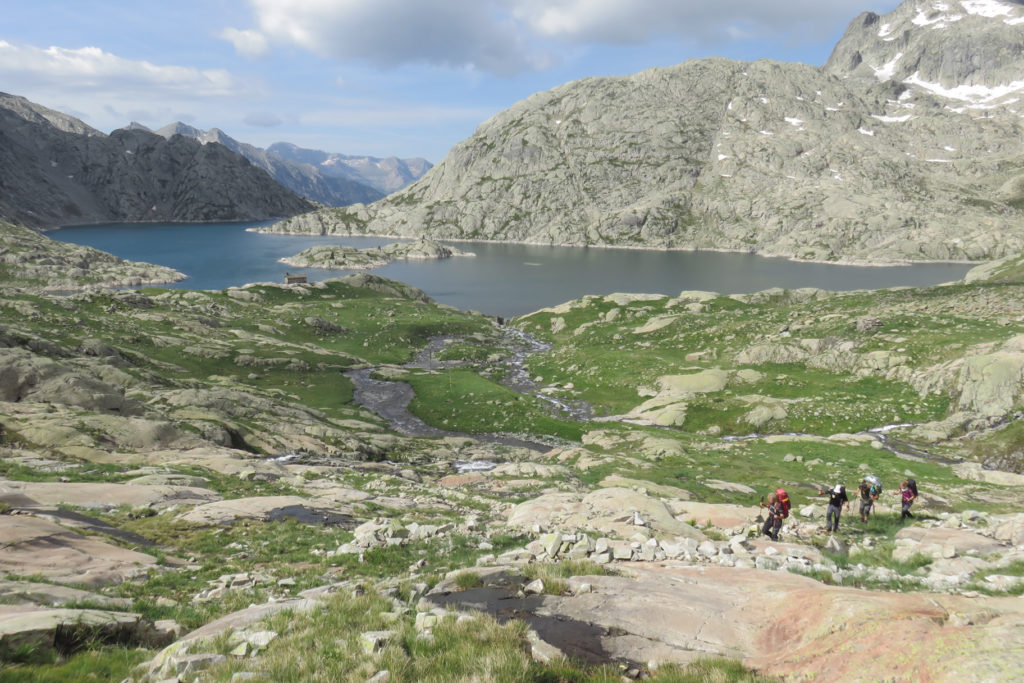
x,y
870,158
55,170
305,180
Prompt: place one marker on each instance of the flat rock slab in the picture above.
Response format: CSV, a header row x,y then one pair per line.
x,y
106,496
719,515
326,492
670,494
778,623
222,460
29,546
965,542
729,487
169,479
268,509
39,594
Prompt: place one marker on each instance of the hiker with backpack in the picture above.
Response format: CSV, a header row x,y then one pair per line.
x,y
908,491
836,498
869,489
773,522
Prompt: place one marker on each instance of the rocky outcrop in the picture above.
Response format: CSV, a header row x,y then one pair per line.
x,y
46,632
967,51
777,623
35,262
60,174
612,510
779,159
342,257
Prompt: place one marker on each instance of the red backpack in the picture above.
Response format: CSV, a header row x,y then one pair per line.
x,y
783,501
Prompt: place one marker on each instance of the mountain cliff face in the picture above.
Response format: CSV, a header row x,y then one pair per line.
x,y
906,145
56,170
304,179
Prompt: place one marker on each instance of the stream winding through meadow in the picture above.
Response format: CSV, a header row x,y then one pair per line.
x,y
390,399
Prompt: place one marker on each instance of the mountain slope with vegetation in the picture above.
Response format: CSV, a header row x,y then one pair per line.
x,y
895,150
243,513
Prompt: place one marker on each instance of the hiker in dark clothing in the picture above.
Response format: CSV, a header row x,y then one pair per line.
x,y
773,523
868,496
836,498
908,499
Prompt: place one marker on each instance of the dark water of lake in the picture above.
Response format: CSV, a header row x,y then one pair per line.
x,y
503,279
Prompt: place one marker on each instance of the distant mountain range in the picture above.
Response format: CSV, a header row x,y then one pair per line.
x,y
386,175
330,179
907,144
56,170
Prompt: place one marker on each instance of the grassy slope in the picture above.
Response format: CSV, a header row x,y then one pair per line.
x,y
218,339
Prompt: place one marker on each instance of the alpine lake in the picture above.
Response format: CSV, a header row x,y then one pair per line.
x,y
503,279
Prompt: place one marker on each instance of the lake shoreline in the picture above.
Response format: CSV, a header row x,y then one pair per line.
x,y
860,263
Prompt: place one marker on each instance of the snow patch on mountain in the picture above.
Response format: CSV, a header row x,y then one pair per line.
x,y
975,94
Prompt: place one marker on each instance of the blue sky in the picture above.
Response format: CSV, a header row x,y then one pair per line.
x,y
380,77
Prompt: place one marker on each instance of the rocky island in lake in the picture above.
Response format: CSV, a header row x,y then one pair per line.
x,y
344,257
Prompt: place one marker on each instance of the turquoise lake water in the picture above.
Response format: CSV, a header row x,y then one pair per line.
x,y
503,279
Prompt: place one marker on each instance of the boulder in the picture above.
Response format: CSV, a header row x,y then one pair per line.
x,y
686,386
660,411
66,630
1011,530
545,511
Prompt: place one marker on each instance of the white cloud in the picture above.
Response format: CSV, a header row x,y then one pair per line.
x,y
451,33
91,69
634,21
107,91
250,44
509,36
